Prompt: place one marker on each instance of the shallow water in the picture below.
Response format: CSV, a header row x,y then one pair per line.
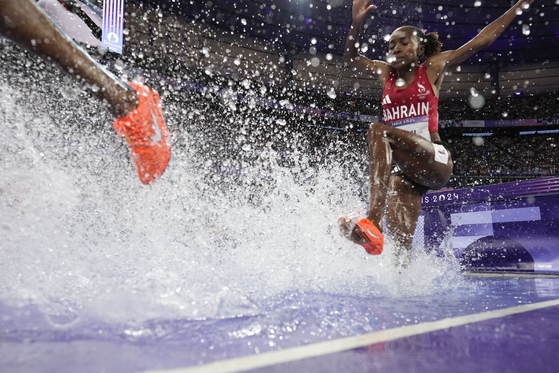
x,y
238,227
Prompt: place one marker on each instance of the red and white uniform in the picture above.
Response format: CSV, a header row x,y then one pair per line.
x,y
414,108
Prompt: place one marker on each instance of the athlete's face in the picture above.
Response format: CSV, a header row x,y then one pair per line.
x,y
404,48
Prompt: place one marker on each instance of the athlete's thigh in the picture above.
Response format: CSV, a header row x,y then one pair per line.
x,y
422,161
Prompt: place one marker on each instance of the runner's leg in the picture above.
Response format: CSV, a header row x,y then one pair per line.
x,y
24,23
380,165
416,157
403,206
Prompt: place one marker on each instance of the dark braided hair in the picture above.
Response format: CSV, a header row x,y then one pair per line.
x,y
430,41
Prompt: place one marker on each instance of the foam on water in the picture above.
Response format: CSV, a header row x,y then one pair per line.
x,y
82,239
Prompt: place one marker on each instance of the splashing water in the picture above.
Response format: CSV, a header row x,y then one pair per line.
x,y
475,100
228,227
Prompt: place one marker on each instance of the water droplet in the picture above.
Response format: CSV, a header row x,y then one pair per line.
x,y
505,114
246,147
329,56
282,122
244,21
119,65
315,62
477,3
313,41
525,5
400,82
478,140
252,103
476,101
331,93
69,93
526,29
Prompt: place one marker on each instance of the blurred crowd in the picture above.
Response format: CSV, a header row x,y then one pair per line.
x,y
502,156
522,154
227,117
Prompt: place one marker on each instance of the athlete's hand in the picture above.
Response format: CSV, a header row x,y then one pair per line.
x,y
361,8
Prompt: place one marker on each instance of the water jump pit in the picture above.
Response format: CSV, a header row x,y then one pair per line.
x,y
234,263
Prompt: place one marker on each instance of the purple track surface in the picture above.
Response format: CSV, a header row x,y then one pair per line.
x,y
523,342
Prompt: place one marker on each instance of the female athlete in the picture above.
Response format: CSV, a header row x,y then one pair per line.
x,y
407,157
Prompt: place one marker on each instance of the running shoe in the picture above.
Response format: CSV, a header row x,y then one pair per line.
x,y
363,233
148,138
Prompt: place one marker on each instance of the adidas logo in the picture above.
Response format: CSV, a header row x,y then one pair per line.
x,y
386,100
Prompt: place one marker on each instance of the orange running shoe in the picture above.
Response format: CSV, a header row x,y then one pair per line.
x,y
363,233
148,138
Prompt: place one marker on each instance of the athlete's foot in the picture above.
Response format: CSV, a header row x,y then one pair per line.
x,y
146,134
363,233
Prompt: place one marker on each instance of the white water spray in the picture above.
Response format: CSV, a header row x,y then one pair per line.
x,y
83,239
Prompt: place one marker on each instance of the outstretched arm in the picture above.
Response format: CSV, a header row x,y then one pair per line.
x,y
488,35
351,52
24,23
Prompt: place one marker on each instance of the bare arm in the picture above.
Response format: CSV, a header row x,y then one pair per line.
x,y
438,64
351,52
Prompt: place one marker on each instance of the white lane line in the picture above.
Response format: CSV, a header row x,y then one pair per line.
x,y
343,344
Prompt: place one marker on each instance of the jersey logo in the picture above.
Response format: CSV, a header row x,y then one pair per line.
x,y
422,92
386,100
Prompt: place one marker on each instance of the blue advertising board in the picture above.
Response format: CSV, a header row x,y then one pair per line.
x,y
113,24
511,227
